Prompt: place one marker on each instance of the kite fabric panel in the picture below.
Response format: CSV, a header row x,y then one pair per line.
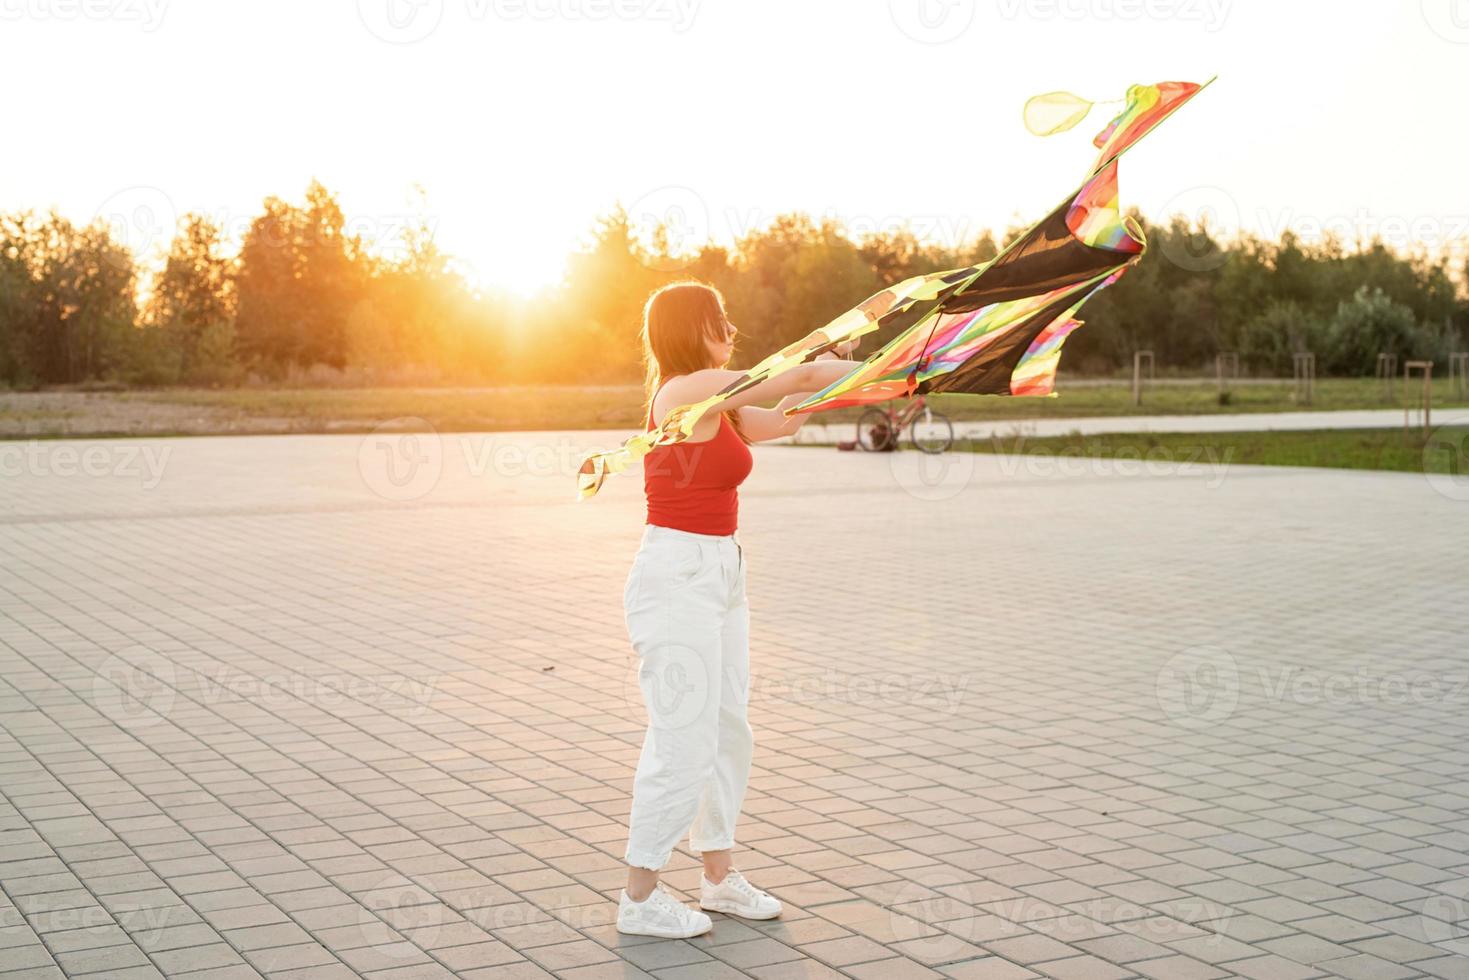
x,y
901,304
1029,291
992,328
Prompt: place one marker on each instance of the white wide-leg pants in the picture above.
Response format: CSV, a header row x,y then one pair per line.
x,y
690,626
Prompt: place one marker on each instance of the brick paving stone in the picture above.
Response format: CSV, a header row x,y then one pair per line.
x,y
511,971
1031,949
658,955
893,969
701,971
1305,948
1083,968
795,970
1367,967
615,970
109,958
261,710
845,952
1272,968
1447,967
1178,968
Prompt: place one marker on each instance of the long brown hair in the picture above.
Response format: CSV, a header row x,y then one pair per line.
x,y
678,319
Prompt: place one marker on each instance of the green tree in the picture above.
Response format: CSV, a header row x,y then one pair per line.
x,y
192,308
299,277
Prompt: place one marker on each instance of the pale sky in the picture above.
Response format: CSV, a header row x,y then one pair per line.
x,y
525,119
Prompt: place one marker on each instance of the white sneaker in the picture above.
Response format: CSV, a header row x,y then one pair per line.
x,y
736,896
660,914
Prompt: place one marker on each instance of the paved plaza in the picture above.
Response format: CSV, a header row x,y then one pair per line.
x,y
335,706
815,432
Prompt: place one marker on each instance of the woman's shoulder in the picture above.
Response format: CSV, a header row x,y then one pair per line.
x,y
685,389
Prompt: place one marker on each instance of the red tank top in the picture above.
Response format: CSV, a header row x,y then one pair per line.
x,y
692,486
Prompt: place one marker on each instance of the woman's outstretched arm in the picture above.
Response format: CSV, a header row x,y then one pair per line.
x,y
761,424
801,380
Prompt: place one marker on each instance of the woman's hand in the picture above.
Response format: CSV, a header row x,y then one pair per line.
x,y
840,350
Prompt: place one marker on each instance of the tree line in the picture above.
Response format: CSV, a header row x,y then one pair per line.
x,y
304,301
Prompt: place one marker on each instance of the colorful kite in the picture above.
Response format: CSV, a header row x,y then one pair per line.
x,y
994,328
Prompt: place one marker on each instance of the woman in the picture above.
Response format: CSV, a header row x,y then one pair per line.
x,y
687,616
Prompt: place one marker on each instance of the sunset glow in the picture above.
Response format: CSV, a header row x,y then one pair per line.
x,y
517,154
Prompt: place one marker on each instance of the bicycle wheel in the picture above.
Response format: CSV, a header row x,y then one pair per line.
x,y
931,432
874,431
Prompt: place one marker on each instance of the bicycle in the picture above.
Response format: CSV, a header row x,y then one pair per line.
x,y
928,431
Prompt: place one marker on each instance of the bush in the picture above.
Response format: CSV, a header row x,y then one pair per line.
x,y
1371,323
213,361
1268,340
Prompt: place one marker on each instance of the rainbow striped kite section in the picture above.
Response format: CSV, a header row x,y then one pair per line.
x,y
995,328
1001,333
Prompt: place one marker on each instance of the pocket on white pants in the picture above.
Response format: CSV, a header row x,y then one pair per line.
x,y
662,566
